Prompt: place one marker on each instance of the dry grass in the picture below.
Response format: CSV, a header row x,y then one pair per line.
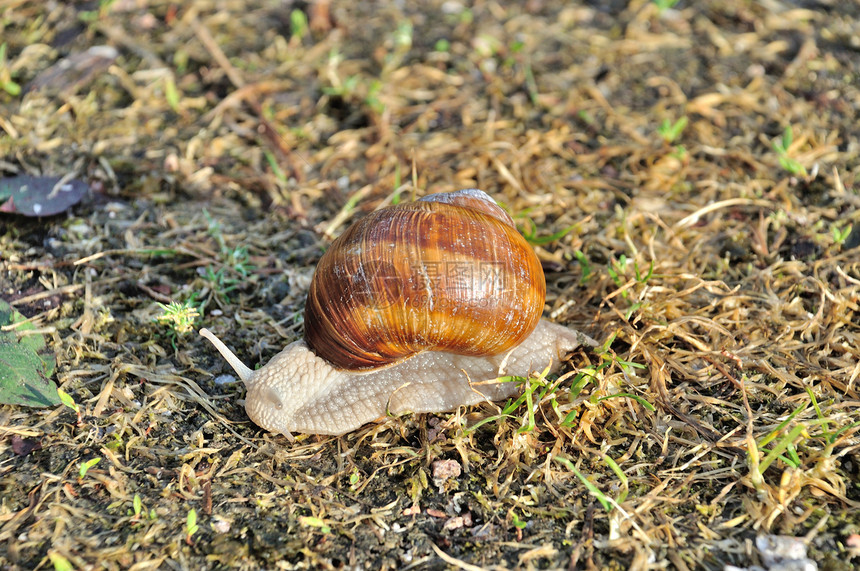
x,y
225,152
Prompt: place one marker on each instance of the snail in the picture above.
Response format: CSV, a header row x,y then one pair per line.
x,y
418,307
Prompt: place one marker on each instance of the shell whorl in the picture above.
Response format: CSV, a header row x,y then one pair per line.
x,y
449,272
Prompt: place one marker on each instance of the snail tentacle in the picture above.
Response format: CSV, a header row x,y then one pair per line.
x,y
241,369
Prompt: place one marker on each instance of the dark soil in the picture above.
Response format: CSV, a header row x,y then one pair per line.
x,y
226,145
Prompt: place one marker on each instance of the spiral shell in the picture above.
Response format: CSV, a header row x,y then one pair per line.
x,y
446,273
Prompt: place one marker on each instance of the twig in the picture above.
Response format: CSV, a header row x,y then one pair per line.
x,y
48,293
453,560
694,217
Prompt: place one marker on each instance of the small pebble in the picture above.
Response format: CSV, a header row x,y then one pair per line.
x,y
445,469
225,380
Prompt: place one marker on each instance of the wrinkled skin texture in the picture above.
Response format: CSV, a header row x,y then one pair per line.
x,y
299,392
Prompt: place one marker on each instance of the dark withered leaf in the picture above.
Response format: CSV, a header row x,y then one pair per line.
x,y
79,69
23,446
39,195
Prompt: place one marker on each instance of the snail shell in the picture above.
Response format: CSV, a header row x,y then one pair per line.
x,y
425,276
417,307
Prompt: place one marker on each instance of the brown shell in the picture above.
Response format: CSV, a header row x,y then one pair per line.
x,y
426,275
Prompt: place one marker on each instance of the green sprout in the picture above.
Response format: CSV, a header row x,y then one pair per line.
x,y
533,384
584,264
535,389
780,146
93,16
609,356
276,168
671,131
179,317
403,35
356,90
760,457
538,389
137,506
830,437
591,487
517,522
354,477
783,441
190,525
841,234
171,93
310,521
67,400
645,404
6,82
582,378
343,89
530,233
663,5
298,25
85,467
60,562
585,117
235,264
372,98
679,152
617,269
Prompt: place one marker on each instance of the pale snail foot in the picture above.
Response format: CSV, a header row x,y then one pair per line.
x,y
300,392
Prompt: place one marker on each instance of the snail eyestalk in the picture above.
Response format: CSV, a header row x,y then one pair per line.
x,y
241,369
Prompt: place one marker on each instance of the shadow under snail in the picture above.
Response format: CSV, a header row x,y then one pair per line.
x,y
417,307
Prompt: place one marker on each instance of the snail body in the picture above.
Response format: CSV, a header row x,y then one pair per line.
x,y
417,307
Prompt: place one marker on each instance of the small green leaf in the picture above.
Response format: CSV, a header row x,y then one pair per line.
x,y
60,562
180,317
518,523
637,398
22,378
590,486
311,521
663,5
171,93
85,467
670,131
787,137
11,88
190,525
67,400
584,264
841,234
25,365
780,146
298,24
543,240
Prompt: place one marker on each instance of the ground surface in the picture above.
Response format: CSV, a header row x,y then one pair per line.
x,y
226,145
